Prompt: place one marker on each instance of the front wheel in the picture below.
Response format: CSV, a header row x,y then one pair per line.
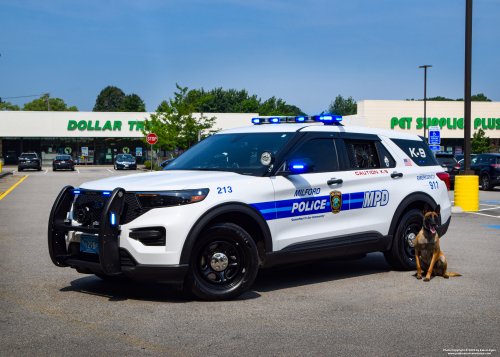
x,y
486,183
402,254
116,168
224,263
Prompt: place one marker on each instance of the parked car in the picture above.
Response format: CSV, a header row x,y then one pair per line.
x,y
487,167
166,162
450,165
459,157
63,162
125,161
29,161
285,190
461,161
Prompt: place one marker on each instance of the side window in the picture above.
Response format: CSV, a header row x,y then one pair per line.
x,y
418,151
386,160
474,160
320,151
362,154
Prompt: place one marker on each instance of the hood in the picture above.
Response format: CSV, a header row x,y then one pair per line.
x,y
162,180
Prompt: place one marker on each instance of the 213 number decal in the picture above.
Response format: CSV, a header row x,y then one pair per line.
x,y
226,189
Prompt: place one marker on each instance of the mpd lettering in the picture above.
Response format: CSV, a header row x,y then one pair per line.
x,y
374,198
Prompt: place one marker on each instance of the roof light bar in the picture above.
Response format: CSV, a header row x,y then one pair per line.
x,y
327,119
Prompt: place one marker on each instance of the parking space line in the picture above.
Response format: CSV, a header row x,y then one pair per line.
x,y
10,189
489,201
14,171
77,170
110,171
46,171
489,209
482,214
495,226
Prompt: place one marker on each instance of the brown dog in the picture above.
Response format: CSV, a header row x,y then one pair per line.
x,y
427,253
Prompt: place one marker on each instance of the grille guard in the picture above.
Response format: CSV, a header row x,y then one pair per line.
x,y
109,255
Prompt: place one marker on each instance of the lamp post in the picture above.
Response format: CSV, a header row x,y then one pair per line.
x,y
425,95
467,87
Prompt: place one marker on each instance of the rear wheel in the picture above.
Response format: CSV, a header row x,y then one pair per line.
x,y
486,183
223,264
402,254
19,169
54,169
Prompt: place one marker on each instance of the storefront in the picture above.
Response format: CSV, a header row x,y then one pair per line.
x,y
90,138
407,116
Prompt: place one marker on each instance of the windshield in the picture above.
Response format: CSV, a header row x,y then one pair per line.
x,y
446,160
238,153
125,157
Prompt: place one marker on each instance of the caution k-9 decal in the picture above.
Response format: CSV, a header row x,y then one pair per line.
x,y
321,204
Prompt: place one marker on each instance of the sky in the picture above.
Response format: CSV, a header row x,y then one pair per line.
x,y
305,52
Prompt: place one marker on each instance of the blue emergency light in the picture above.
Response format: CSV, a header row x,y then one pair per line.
x,y
327,119
113,219
76,192
106,193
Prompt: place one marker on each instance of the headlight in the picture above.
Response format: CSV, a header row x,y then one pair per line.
x,y
171,198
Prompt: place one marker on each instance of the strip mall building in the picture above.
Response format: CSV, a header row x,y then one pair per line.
x,y
407,116
97,137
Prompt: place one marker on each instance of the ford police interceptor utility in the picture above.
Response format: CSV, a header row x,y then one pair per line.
x,y
284,190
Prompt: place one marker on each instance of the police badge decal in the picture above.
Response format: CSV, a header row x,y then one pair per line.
x,y
335,201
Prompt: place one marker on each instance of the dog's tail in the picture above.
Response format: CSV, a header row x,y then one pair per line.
x,y
451,274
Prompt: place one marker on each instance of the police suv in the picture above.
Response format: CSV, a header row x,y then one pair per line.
x,y
284,190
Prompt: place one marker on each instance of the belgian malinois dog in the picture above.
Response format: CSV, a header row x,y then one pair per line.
x,y
427,253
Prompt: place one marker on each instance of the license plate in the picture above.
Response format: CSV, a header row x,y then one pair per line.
x,y
28,161
89,244
62,162
126,165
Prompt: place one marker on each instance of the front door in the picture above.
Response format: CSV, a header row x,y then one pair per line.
x,y
309,207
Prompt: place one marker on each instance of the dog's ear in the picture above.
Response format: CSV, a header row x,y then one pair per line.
x,y
427,209
438,209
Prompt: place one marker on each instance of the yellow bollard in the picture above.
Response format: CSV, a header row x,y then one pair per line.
x,y
467,192
0,166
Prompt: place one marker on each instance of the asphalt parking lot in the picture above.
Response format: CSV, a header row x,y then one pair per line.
x,y
332,308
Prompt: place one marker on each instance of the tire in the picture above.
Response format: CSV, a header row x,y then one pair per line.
x,y
486,182
239,269
73,169
19,169
116,168
54,169
39,169
402,255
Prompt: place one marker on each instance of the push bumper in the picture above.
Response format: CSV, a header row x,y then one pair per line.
x,y
111,260
130,166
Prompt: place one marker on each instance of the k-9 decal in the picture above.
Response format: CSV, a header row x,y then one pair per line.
x,y
419,153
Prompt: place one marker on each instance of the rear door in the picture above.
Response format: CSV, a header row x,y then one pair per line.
x,y
305,214
376,186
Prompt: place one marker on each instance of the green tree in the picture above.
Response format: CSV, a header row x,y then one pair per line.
x,y
480,143
56,105
343,106
133,103
174,123
109,100
479,98
219,100
8,106
439,99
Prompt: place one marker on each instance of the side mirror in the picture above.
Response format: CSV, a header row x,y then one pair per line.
x,y
300,166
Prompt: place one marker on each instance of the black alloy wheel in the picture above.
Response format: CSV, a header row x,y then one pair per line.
x,y
402,254
485,182
224,263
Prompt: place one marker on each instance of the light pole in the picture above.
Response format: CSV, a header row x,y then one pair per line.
x,y
467,87
425,95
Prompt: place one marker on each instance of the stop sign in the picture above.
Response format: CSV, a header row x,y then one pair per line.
x,y
152,139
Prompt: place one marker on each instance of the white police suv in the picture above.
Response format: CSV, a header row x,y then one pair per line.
x,y
284,190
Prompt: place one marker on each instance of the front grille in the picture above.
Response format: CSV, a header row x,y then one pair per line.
x,y
95,202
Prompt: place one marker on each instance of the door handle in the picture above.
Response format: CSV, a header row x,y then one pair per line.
x,y
334,181
397,174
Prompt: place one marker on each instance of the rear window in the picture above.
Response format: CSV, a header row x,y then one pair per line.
x,y
29,156
443,160
63,157
418,151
